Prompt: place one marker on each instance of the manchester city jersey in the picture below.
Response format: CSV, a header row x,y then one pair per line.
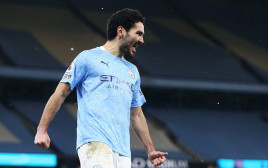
x,y
107,87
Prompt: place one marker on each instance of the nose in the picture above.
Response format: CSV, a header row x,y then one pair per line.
x,y
141,40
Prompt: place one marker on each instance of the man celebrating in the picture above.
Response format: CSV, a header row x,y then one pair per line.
x,y
109,98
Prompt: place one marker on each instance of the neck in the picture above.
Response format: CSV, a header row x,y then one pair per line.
x,y
113,48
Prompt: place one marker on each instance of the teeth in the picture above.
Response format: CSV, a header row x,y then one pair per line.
x,y
134,49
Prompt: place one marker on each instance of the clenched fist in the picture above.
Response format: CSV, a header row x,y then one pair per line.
x,y
42,140
157,158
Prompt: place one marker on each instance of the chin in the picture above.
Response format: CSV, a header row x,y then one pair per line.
x,y
129,55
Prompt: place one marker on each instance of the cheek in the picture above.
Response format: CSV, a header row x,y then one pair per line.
x,y
134,40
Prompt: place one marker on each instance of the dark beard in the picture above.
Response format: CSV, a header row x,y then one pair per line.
x,y
125,48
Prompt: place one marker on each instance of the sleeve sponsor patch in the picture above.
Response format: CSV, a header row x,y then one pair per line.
x,y
70,68
66,76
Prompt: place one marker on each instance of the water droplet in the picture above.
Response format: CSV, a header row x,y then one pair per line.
x,y
72,49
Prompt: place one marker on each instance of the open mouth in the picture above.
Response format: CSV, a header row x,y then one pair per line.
x,y
134,46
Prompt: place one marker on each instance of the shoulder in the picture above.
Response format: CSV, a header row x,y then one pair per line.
x,y
87,55
131,65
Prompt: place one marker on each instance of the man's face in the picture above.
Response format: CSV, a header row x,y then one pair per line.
x,y
132,39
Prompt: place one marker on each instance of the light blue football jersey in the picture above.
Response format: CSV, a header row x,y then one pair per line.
x,y
107,87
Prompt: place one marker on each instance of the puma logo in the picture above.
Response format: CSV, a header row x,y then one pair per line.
x,y
105,63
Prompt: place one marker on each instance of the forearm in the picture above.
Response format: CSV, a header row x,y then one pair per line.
x,y
53,105
51,108
140,127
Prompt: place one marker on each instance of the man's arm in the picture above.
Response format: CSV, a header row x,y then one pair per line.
x,y
139,125
52,107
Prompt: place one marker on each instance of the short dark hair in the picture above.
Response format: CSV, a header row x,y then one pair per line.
x,y
126,18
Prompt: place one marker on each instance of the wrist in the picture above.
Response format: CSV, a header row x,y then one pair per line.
x,y
150,150
41,129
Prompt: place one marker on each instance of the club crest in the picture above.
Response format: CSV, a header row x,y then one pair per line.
x,y
131,74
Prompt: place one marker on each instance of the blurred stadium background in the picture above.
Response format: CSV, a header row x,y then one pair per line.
x,y
204,70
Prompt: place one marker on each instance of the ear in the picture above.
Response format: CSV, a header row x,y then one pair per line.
x,y
121,31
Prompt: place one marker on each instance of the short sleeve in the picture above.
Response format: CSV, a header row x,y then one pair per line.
x,y
76,72
138,97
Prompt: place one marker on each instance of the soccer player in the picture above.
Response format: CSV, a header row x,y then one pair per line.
x,y
109,98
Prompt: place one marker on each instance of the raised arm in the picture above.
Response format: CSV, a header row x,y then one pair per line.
x,y
52,107
139,125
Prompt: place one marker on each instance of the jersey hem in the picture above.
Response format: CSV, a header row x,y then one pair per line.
x,y
88,141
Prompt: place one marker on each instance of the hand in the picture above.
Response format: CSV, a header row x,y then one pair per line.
x,y
157,158
42,140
